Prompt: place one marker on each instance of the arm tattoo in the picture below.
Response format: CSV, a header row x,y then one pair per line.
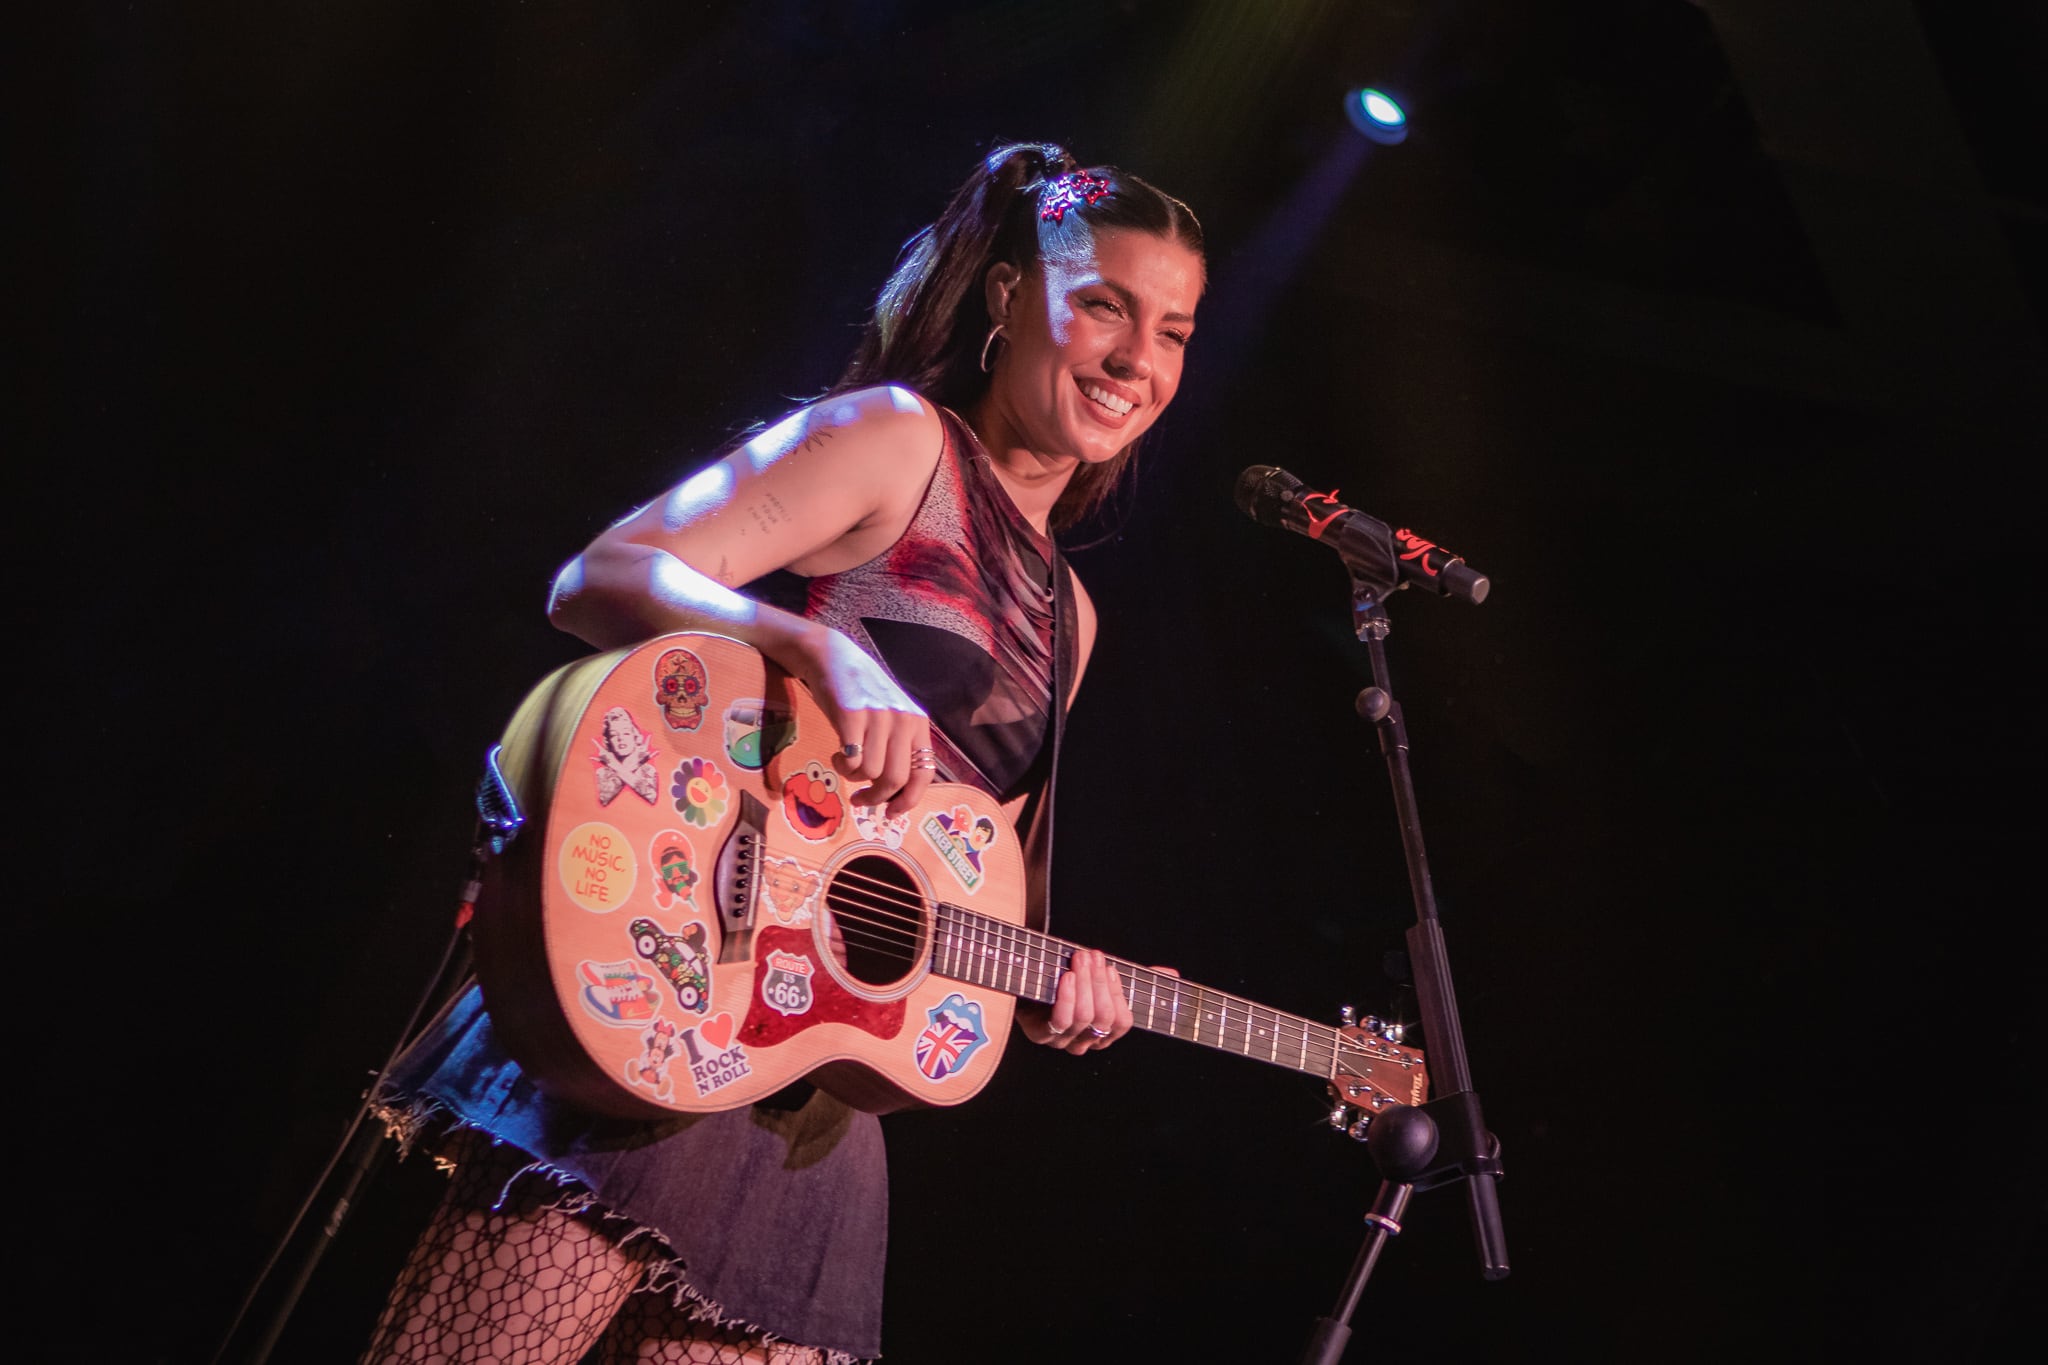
x,y
768,512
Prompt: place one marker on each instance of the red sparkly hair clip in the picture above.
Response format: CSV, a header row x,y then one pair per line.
x,y
1070,191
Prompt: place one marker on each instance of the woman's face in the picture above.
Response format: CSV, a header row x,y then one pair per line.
x,y
1095,342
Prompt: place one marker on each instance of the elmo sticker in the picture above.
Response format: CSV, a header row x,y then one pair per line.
x,y
810,802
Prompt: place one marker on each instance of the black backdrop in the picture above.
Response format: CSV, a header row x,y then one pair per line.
x,y
366,317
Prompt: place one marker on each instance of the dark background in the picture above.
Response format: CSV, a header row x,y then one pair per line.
x,y
1711,332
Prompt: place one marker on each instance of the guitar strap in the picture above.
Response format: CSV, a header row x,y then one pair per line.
x,y
1038,811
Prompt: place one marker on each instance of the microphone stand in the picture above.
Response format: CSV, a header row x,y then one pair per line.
x,y
1445,1140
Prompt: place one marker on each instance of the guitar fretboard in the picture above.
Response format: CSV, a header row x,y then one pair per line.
x,y
1022,962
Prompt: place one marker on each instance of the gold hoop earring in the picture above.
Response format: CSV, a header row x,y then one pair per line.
x,y
993,333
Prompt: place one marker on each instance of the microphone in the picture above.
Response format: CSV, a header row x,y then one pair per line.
x,y
1373,550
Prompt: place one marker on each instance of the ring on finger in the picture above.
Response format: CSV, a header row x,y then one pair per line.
x,y
1098,1032
923,759
852,752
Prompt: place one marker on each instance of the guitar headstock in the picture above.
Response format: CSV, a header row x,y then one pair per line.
x,y
1373,1074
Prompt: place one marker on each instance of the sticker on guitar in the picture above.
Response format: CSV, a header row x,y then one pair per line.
x,y
792,889
681,689
624,759
596,867
786,988
675,865
700,792
952,1034
961,837
617,993
680,957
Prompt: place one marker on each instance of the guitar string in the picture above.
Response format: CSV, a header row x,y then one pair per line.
x,y
1024,953
1303,1044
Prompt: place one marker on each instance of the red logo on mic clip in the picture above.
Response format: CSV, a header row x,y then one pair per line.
x,y
1420,550
1318,525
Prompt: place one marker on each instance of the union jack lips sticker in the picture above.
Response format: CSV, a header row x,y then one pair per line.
x,y
952,1034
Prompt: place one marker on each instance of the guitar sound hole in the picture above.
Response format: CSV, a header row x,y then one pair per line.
x,y
878,919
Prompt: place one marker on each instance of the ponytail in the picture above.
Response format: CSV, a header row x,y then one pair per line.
x,y
931,318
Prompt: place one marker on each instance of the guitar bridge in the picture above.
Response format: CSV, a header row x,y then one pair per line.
x,y
736,879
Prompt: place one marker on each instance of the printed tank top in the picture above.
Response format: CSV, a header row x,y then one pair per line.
x,y
960,611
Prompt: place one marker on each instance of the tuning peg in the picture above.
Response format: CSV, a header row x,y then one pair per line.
x,y
1349,1121
1347,1015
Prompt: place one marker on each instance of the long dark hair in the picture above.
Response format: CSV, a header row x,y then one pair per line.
x,y
931,318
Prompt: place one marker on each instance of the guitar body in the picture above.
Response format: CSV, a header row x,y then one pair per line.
x,y
696,915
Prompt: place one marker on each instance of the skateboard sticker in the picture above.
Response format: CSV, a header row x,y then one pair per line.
x,y
617,993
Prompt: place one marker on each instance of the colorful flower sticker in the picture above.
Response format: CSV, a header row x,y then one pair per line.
x,y
700,792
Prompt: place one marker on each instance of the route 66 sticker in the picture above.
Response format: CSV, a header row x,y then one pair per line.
x,y
787,986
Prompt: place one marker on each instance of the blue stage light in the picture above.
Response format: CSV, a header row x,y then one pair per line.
x,y
1376,115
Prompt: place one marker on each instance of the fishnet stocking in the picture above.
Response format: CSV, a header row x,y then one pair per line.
x,y
532,1285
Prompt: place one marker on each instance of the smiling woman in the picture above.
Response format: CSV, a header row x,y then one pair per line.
x,y
1026,341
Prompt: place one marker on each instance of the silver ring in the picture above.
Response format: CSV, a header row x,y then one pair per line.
x,y
852,751
1098,1032
1055,1032
924,760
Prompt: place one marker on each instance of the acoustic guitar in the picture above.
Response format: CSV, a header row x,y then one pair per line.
x,y
699,912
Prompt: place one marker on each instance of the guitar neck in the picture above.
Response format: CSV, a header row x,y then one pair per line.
x,y
981,951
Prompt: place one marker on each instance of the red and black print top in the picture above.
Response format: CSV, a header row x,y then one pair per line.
x,y
960,611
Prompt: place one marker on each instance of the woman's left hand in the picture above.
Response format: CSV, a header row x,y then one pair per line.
x,y
1088,1011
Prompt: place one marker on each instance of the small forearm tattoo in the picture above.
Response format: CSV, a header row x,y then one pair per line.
x,y
768,513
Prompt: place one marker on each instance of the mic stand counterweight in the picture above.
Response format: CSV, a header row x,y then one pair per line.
x,y
1445,1139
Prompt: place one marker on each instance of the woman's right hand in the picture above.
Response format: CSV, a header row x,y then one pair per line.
x,y
886,736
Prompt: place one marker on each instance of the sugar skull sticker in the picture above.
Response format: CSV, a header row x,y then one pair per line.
x,y
786,988
961,837
811,804
756,731
681,687
700,792
872,825
791,889
680,958
952,1034
675,869
625,760
617,993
